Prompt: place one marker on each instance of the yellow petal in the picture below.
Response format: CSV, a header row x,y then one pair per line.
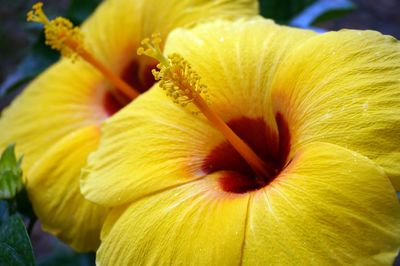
x,y
237,61
116,29
147,151
330,206
53,187
62,100
112,216
194,224
343,88
153,141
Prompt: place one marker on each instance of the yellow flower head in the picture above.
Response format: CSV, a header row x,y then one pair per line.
x,y
322,111
56,120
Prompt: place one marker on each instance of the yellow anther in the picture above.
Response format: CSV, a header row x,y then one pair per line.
x,y
60,33
151,48
37,14
175,74
179,80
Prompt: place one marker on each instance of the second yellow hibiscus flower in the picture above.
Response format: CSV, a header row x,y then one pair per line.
x,y
56,120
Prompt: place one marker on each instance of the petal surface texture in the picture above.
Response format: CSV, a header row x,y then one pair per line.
x,y
54,187
60,101
194,224
344,88
154,144
330,206
69,97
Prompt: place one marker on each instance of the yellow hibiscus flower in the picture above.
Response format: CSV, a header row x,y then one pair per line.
x,y
321,110
56,120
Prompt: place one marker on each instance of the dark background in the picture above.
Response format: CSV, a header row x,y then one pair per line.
x,y
16,34
380,15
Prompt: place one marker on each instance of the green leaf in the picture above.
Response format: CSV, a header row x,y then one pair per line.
x,y
282,11
15,246
10,174
3,210
321,11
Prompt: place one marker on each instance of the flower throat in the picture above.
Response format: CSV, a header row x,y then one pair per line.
x,y
183,85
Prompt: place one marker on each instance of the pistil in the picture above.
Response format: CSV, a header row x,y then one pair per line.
x,y
183,84
64,37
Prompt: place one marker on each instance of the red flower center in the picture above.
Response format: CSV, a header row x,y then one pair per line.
x,y
139,78
238,176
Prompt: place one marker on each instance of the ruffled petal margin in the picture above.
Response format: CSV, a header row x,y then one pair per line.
x,y
344,88
53,188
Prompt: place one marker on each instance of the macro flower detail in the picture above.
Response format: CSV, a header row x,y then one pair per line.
x,y
56,121
180,193
58,31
